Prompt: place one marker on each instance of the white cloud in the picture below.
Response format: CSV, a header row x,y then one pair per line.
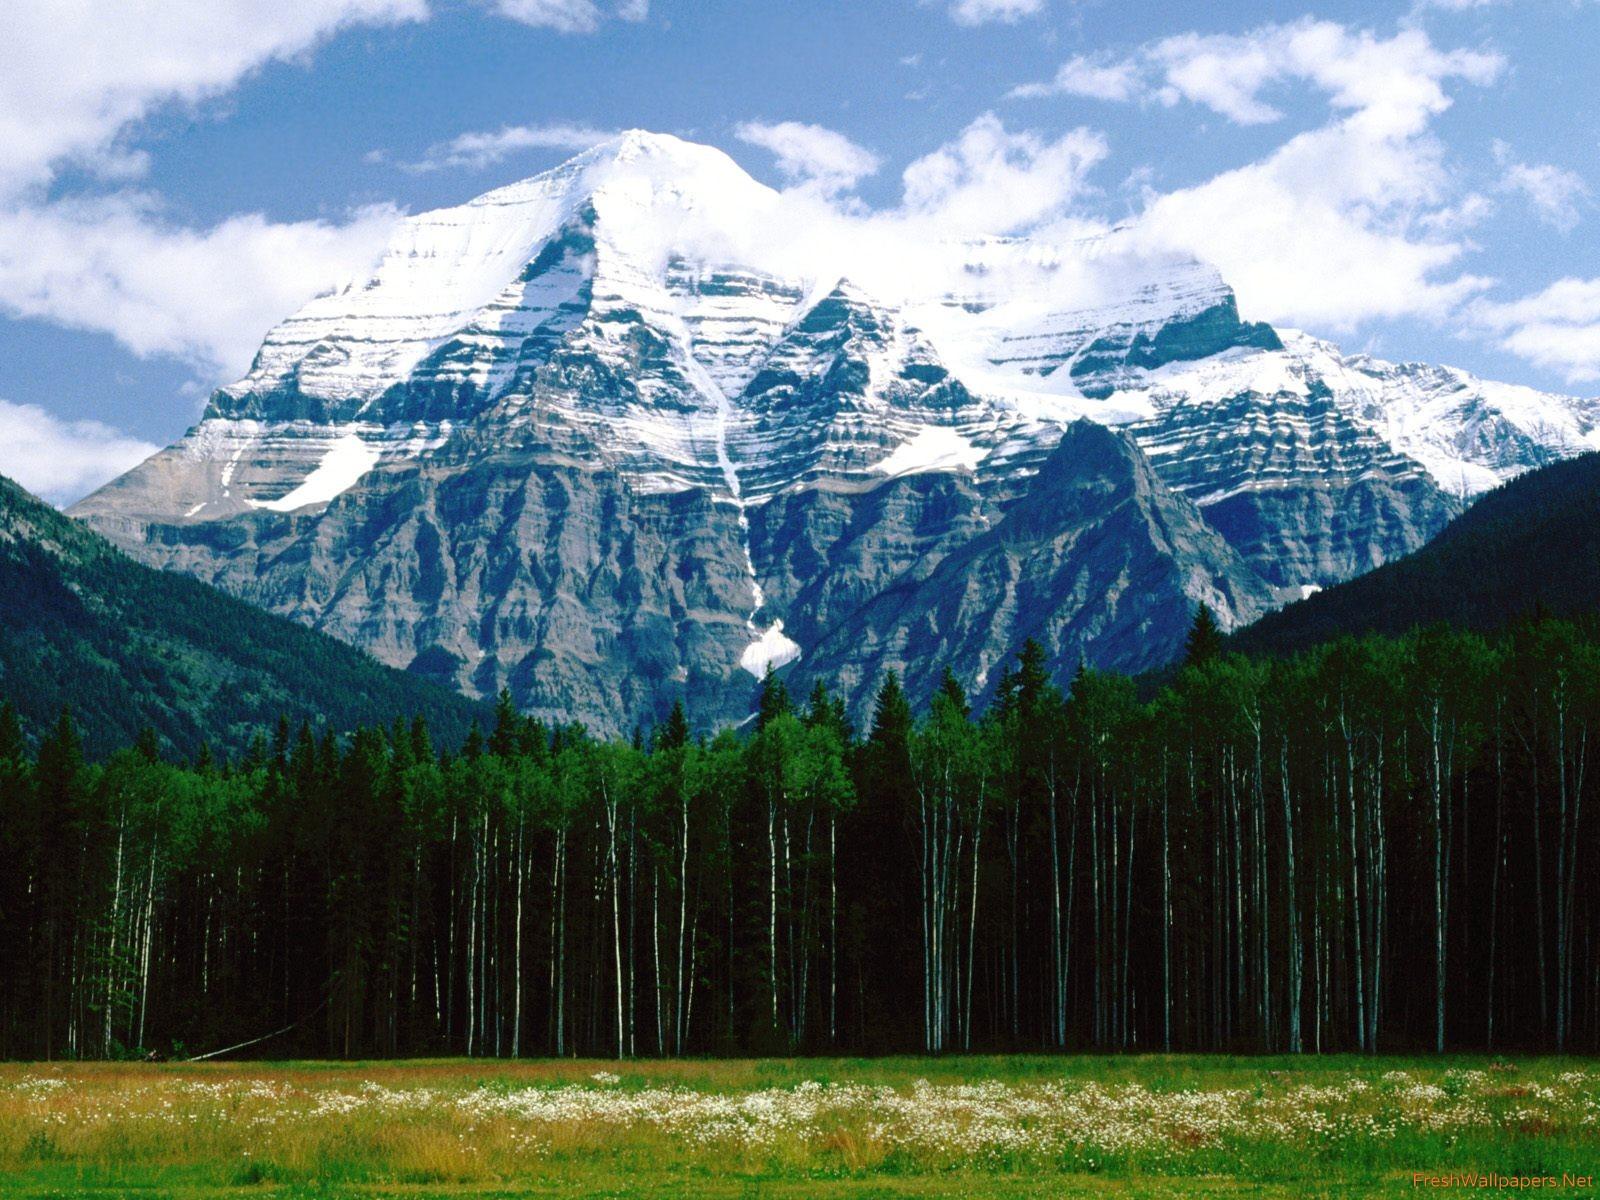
x,y
983,12
77,73
1080,76
989,180
811,154
1555,194
1357,219
207,295
63,460
984,184
476,150
569,16
78,79
1558,328
1392,86
1327,231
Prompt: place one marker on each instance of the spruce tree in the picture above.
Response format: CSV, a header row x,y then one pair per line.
x,y
421,740
60,761
889,743
774,700
12,744
507,726
1204,642
674,731
951,690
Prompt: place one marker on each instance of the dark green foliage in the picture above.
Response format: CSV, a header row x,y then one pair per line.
x,y
1381,843
126,647
674,731
774,701
12,746
1204,641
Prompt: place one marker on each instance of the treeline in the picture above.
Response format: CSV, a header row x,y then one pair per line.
x,y
1380,844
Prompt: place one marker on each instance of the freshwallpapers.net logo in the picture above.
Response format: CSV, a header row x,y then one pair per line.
x,y
1494,1181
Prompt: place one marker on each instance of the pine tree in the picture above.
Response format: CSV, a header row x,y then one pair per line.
x,y
674,731
507,726
148,745
60,759
950,688
421,740
774,700
12,745
891,718
280,741
1204,642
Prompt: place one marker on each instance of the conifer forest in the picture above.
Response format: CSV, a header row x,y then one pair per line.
x,y
1376,844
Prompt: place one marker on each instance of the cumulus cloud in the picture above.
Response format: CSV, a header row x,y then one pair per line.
x,y
1392,86
1324,232
78,78
570,16
991,180
1557,328
479,149
984,12
1353,220
207,295
811,154
1081,76
76,74
947,234
1555,194
63,460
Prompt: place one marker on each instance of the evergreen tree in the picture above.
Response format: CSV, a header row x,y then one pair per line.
x,y
1204,642
507,726
148,745
951,691
774,701
421,739
12,744
674,731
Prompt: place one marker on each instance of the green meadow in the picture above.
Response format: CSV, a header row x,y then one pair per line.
x,y
1131,1126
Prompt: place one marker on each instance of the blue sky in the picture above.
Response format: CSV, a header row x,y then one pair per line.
x,y
1414,179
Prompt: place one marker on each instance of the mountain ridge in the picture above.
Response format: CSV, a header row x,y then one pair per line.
x,y
592,438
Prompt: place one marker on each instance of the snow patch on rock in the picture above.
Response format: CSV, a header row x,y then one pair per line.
x,y
932,448
346,461
770,651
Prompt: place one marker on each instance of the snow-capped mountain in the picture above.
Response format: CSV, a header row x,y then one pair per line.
x,y
614,433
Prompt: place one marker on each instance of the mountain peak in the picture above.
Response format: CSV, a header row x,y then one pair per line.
x,y
637,160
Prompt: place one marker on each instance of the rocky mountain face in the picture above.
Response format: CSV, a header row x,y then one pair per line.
x,y
612,435
1528,548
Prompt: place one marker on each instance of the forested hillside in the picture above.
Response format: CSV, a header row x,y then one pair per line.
x,y
128,648
1378,844
1531,545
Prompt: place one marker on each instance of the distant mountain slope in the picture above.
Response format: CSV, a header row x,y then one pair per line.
x,y
125,646
1531,543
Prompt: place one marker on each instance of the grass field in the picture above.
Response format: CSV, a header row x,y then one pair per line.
x,y
1150,1126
